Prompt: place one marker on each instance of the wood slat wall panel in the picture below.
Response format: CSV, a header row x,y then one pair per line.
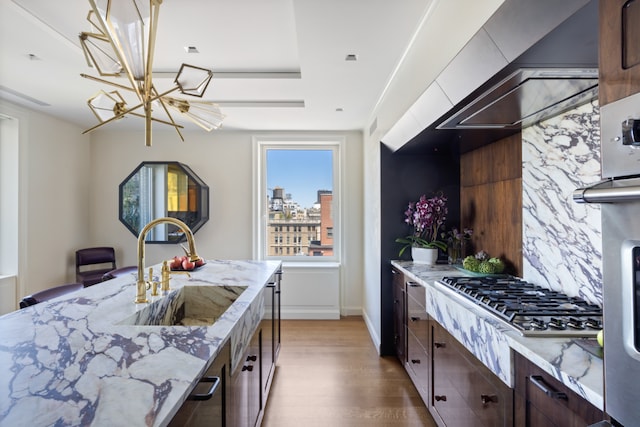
x,y
491,199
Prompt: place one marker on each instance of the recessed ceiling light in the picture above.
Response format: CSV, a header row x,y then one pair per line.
x,y
351,57
339,109
191,49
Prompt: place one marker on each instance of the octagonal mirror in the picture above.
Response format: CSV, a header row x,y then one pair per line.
x,y
163,189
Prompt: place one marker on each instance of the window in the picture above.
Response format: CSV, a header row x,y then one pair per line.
x,y
298,191
9,195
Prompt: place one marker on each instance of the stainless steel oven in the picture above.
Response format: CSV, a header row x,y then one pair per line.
x,y
619,196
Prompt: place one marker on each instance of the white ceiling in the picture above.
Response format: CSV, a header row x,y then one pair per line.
x,y
306,40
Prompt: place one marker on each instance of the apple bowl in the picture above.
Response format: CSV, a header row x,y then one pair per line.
x,y
182,263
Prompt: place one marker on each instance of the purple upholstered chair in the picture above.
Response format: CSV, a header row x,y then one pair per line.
x,y
93,263
50,293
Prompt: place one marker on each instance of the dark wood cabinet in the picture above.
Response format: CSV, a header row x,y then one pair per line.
x,y
619,61
270,325
246,389
399,316
418,343
541,400
456,387
465,392
251,382
208,403
411,331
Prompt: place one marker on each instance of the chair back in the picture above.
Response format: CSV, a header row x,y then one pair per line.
x,y
122,271
50,293
93,263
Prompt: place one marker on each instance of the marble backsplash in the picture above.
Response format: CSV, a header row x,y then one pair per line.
x,y
562,241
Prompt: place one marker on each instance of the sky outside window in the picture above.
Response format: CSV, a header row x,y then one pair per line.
x,y
300,173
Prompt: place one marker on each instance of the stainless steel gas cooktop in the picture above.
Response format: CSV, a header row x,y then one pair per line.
x,y
528,308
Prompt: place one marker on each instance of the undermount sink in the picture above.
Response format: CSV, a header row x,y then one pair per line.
x,y
187,306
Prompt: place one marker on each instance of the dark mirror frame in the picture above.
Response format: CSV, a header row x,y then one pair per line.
x,y
195,215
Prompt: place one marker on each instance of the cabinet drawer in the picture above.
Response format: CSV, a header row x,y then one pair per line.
x,y
465,392
417,366
542,400
417,291
205,410
418,321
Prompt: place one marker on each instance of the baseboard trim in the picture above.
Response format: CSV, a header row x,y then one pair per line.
x,y
372,332
308,314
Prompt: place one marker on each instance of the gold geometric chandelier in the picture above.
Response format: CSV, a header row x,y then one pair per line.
x,y
122,41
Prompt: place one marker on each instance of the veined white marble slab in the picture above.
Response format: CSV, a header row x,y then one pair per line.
x,y
492,342
70,361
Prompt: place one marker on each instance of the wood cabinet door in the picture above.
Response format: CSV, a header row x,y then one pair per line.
x,y
541,400
418,344
619,52
210,412
268,337
417,366
399,316
246,387
465,392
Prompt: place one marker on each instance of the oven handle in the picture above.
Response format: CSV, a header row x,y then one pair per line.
x,y
594,194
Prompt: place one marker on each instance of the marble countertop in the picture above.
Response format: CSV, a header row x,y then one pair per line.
x,y
492,342
69,361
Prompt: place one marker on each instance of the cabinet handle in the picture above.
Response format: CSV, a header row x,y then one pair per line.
x,y
539,382
271,285
488,398
414,319
252,358
440,398
247,368
413,284
439,344
208,395
415,361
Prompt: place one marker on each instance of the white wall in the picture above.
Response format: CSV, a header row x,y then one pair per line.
x,y
53,217
447,28
223,159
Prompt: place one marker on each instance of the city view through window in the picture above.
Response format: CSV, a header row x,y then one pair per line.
x,y
299,202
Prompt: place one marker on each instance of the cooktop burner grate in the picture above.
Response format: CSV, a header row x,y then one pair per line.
x,y
528,308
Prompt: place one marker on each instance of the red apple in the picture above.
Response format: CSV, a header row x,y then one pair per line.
x,y
188,265
199,262
176,263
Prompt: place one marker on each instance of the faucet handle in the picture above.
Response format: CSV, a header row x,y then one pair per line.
x,y
152,284
166,275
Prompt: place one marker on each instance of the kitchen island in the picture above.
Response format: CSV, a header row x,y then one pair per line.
x,y
493,343
75,360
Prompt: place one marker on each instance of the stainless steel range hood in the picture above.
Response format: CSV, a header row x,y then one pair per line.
x,y
557,73
527,96
533,59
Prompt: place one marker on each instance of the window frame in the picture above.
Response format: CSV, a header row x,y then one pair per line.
x,y
260,146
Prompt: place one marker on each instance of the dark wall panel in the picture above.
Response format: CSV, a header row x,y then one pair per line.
x,y
404,178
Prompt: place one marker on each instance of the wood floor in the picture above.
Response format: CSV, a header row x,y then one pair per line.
x,y
329,374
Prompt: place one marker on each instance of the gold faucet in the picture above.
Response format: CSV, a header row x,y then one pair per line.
x,y
141,284
166,276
